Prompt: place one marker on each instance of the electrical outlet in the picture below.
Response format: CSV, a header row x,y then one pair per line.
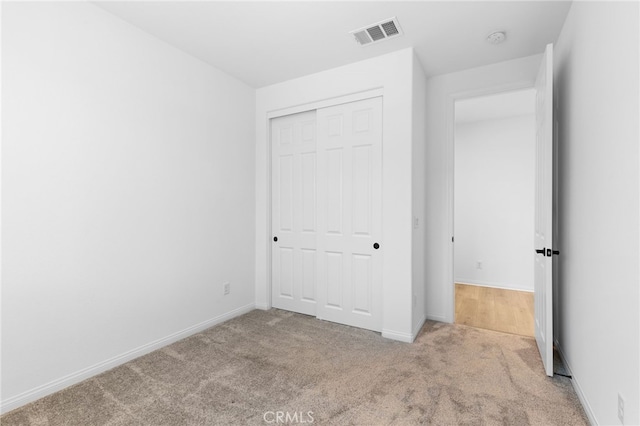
x,y
227,288
479,264
621,408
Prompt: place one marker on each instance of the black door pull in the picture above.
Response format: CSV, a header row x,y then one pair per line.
x,y
547,252
275,239
376,246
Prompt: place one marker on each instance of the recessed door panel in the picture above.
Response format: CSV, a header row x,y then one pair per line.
x,y
286,272
334,126
308,129
362,283
334,282
362,120
308,275
361,193
334,192
286,192
308,182
286,135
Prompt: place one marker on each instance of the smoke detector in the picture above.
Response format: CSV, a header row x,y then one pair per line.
x,y
377,32
496,37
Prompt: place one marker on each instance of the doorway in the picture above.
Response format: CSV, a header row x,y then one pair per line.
x,y
494,203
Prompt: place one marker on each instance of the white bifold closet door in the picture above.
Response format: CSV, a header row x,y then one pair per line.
x,y
327,204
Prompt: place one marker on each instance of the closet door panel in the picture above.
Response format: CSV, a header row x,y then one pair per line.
x,y
349,153
294,213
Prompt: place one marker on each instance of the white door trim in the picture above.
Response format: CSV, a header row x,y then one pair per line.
x,y
449,309
323,103
294,109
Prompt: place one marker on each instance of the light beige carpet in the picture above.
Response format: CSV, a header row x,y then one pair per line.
x,y
248,369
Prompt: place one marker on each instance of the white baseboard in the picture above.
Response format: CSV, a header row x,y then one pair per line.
x,y
398,335
262,307
576,386
439,318
417,327
73,378
491,285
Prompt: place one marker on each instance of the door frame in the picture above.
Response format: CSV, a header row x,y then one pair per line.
x,y
323,103
450,294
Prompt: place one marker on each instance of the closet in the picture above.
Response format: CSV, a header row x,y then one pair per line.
x,y
326,198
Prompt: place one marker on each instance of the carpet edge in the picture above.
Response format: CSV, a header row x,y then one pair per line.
x,y
88,372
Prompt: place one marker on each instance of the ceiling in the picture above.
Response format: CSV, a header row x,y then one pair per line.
x,y
502,105
266,42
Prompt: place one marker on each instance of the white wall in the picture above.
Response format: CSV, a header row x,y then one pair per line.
x,y
596,80
418,195
494,201
442,91
392,75
128,195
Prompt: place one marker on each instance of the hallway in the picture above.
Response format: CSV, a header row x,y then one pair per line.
x,y
509,311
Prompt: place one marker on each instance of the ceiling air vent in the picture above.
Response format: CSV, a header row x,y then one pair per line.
x,y
377,32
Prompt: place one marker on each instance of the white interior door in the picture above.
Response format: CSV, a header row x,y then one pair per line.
x,y
349,144
543,270
294,213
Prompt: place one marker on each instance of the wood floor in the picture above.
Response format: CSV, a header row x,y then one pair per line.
x,y
509,311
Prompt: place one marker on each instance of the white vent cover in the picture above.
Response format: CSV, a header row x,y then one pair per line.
x,y
377,32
